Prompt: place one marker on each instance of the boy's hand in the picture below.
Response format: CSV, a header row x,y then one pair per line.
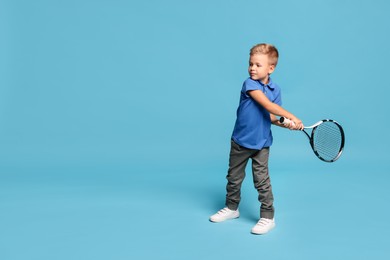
x,y
295,124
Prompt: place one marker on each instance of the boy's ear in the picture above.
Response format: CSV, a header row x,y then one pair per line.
x,y
271,68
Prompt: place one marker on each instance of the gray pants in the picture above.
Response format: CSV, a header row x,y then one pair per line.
x,y
238,160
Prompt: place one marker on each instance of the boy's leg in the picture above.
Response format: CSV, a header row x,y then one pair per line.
x,y
262,183
238,160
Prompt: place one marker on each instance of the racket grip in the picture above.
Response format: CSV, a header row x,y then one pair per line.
x,y
285,121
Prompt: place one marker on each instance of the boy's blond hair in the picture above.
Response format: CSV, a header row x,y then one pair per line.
x,y
267,49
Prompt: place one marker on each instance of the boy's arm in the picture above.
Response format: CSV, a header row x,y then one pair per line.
x,y
274,109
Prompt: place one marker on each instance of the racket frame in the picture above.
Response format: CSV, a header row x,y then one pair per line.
x,y
284,120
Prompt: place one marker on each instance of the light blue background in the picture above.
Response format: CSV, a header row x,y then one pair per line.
x,y
115,120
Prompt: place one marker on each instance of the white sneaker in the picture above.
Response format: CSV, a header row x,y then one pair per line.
x,y
263,226
224,214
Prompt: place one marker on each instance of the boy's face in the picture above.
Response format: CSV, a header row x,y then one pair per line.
x,y
260,68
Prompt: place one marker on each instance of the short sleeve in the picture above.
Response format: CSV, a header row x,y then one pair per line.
x,y
249,85
278,98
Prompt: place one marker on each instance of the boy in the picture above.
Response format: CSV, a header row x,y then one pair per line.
x,y
260,103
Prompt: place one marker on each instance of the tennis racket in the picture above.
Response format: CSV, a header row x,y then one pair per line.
x,y
326,139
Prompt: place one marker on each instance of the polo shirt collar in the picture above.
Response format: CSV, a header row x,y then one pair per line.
x,y
270,84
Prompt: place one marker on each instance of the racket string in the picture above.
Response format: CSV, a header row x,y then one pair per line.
x,y
327,140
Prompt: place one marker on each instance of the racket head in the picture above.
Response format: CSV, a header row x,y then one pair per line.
x,y
327,140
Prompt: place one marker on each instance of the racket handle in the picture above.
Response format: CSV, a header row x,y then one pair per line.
x,y
285,121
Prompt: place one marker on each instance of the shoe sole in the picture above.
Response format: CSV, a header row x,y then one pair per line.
x,y
218,221
263,233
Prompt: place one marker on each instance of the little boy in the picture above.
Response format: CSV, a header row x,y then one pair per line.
x,y
260,103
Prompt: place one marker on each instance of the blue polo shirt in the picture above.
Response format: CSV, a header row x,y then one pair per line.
x,y
253,124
